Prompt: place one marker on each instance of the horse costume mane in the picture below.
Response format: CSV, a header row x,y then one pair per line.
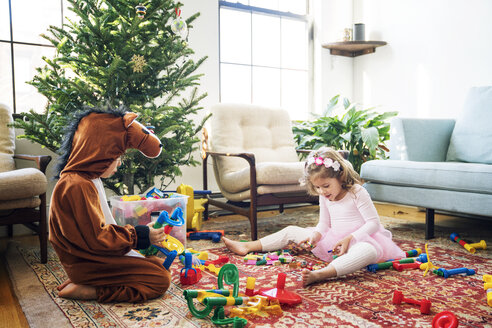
x,y
96,137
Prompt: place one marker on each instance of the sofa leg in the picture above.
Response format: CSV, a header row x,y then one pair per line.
x,y
429,223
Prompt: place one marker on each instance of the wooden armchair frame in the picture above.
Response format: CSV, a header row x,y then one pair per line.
x,y
255,200
29,216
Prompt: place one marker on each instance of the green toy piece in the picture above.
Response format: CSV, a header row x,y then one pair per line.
x,y
230,275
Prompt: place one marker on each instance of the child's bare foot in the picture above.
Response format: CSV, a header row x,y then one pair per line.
x,y
78,292
309,277
64,284
242,248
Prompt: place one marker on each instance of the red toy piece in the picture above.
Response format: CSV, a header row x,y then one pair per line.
x,y
425,305
191,275
444,319
401,266
279,293
221,260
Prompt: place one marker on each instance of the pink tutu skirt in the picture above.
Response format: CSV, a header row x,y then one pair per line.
x,y
381,240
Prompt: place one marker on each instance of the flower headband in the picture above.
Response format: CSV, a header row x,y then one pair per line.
x,y
327,162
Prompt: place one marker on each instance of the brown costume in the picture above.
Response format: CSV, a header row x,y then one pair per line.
x,y
92,251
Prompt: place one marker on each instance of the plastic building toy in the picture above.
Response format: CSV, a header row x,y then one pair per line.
x,y
487,278
140,210
480,245
155,193
215,236
429,265
283,296
424,304
257,306
250,286
413,252
132,198
448,273
170,243
218,298
387,265
221,260
194,207
444,319
456,238
401,266
191,275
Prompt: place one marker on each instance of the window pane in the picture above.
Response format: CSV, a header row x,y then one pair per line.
x,y
30,18
4,20
266,86
295,93
268,4
67,12
235,83
293,6
27,58
294,44
6,96
235,36
266,40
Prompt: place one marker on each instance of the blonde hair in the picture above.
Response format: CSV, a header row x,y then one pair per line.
x,y
345,173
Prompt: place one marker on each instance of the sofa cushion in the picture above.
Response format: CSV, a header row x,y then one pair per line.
x,y
472,134
7,140
467,177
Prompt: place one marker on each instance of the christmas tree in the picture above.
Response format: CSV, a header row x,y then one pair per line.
x,y
122,52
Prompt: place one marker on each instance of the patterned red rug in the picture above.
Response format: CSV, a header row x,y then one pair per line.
x,y
362,299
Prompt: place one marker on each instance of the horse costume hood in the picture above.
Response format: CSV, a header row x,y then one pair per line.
x,y
92,248
96,139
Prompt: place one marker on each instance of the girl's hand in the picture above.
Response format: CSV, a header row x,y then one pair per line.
x,y
341,247
156,235
311,241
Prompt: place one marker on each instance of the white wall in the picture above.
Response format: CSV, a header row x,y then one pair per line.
x,y
436,51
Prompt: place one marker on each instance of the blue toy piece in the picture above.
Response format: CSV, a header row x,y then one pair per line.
x,y
170,256
187,264
215,236
177,218
422,258
154,192
447,273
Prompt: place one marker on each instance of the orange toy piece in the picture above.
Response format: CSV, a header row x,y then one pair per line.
x,y
259,306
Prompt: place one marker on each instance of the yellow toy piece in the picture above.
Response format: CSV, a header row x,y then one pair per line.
x,y
194,208
173,244
487,278
480,245
203,255
429,265
257,305
140,210
211,267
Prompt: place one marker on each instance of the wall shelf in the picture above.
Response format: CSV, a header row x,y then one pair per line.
x,y
353,48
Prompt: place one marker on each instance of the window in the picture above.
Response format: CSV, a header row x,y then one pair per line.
x,y
264,54
22,49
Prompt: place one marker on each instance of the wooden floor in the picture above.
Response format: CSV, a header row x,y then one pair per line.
x,y
11,314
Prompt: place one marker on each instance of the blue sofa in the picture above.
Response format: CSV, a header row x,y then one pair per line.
x,y
439,164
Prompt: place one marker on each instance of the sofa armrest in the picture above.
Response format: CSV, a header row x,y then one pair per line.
x,y
420,139
42,161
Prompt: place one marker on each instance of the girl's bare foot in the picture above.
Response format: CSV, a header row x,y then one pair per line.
x,y
310,277
242,248
78,292
64,284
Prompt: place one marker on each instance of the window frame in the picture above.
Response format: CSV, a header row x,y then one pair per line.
x,y
12,44
307,18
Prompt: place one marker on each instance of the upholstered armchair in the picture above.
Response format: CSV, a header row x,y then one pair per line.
x,y
254,160
22,191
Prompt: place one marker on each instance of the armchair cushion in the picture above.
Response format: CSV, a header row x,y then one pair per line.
x,y
472,136
268,173
22,184
7,140
266,132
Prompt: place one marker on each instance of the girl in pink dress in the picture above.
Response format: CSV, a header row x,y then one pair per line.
x,y
348,225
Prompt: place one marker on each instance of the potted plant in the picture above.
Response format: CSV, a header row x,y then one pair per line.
x,y
363,132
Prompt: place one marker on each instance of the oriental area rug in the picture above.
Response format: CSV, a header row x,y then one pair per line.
x,y
362,299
